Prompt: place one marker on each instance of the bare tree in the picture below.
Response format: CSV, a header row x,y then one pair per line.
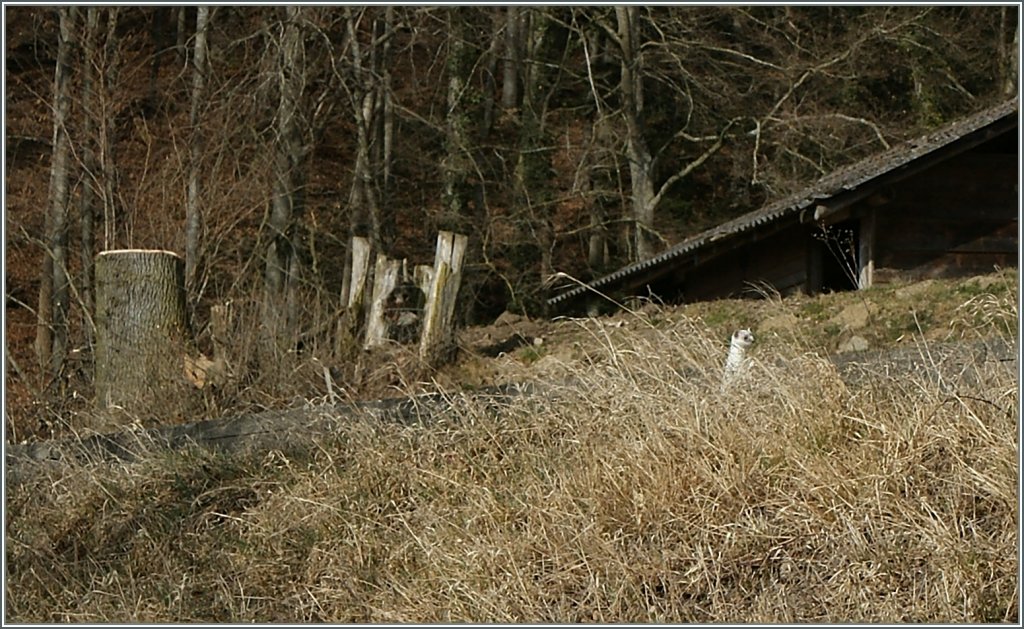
x,y
515,17
286,197
369,92
457,162
109,63
51,329
641,162
193,209
90,169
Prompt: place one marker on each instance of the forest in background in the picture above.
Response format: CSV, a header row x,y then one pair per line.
x,y
256,141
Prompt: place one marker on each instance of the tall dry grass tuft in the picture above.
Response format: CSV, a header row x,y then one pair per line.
x,y
634,490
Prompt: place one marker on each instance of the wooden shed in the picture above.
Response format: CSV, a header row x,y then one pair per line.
x,y
942,205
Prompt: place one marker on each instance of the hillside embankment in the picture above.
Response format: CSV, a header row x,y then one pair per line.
x,y
865,470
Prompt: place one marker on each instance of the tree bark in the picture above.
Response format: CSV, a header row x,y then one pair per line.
x,y
286,197
51,330
455,165
367,99
90,174
140,332
193,211
110,63
641,162
180,34
513,57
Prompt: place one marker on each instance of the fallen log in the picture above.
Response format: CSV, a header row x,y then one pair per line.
x,y
269,430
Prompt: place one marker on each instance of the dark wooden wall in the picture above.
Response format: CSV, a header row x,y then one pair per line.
x,y
780,260
957,218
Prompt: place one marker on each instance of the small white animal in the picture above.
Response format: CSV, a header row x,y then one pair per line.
x,y
736,362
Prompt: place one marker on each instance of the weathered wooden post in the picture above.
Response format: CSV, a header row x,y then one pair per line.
x,y
436,340
354,297
385,277
141,332
423,275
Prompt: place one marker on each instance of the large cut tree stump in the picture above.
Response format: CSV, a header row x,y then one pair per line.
x,y
140,333
437,339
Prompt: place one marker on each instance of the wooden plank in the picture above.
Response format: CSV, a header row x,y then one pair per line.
x,y
780,261
941,212
962,182
918,235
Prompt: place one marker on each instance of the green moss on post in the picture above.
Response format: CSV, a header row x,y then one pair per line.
x,y
437,339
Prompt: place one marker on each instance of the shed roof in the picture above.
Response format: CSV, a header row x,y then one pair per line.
x,y
838,187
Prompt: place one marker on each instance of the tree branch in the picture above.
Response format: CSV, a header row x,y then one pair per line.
x,y
695,164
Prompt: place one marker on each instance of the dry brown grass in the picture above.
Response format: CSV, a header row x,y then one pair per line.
x,y
637,493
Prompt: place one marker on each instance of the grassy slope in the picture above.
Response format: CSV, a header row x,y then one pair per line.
x,y
635,494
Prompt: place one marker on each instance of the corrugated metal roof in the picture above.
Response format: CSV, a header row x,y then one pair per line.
x,y
841,180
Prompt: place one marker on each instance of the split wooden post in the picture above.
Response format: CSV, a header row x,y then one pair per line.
x,y
385,278
423,275
354,297
436,340
141,332
360,268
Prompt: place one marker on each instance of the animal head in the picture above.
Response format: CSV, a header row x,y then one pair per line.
x,y
743,338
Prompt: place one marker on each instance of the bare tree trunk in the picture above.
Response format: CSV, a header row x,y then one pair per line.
x,y
90,167
193,212
109,77
51,331
455,165
373,113
180,36
542,56
597,239
513,57
364,107
279,315
641,162
490,74
384,115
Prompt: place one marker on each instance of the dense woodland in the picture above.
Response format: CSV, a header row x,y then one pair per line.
x,y
256,141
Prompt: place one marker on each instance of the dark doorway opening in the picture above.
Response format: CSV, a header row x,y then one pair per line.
x,y
840,244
